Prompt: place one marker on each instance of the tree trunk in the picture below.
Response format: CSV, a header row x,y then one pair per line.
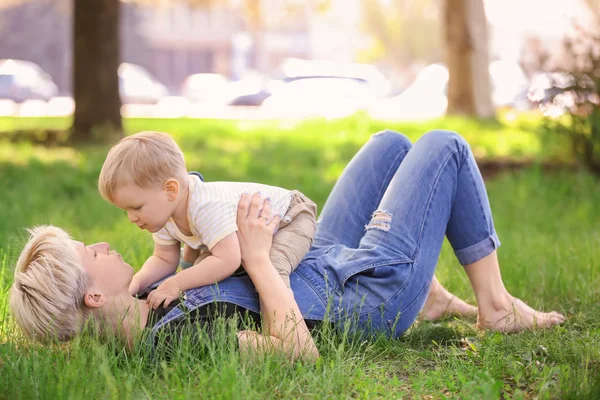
x,y
95,64
254,9
469,91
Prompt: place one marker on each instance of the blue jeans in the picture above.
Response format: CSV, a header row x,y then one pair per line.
x,y
380,233
381,230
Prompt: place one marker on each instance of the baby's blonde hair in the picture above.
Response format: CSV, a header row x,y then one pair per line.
x,y
47,294
146,158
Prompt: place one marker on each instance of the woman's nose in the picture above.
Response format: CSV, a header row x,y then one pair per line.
x,y
102,247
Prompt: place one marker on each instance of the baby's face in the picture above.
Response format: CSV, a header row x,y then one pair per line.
x,y
148,208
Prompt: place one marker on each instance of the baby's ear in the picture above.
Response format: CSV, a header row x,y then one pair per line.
x,y
171,187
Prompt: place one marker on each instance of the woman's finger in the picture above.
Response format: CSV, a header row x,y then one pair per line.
x,y
265,213
242,211
255,204
274,224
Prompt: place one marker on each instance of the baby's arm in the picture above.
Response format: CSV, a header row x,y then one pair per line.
x,y
163,262
223,262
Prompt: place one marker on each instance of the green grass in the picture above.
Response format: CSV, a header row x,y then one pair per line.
x,y
547,224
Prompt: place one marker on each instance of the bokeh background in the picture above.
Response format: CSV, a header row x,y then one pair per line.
x,y
273,59
285,92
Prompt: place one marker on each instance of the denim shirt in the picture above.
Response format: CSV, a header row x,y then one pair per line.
x,y
307,285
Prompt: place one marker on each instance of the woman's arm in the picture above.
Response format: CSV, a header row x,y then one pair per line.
x,y
284,328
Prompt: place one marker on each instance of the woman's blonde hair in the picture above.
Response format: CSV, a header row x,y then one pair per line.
x,y
46,298
146,158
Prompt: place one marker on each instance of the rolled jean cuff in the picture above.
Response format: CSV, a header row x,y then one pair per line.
x,y
476,252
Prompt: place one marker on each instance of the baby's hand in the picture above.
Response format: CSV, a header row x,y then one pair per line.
x,y
167,291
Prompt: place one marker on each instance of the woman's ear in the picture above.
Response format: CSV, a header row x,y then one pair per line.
x,y
171,188
94,299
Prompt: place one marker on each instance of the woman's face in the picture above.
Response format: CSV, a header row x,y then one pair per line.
x,y
106,268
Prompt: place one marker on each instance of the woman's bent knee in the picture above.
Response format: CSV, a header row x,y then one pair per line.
x,y
394,139
445,140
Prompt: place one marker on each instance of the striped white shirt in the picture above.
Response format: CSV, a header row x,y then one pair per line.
x,y
212,211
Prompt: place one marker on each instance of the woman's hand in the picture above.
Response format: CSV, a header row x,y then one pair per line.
x,y
284,329
256,227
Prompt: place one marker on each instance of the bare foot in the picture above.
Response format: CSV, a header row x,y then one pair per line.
x,y
442,304
513,315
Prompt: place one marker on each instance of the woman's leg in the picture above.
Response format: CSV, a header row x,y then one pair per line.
x,y
441,303
355,197
498,310
437,191
359,190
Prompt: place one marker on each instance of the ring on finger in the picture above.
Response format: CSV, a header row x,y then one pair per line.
x,y
265,217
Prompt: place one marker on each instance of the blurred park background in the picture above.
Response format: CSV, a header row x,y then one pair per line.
x,y
273,59
285,92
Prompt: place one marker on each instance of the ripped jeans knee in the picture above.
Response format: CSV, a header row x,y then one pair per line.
x,y
380,220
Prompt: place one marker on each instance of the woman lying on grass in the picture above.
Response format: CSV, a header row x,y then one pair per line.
x,y
371,264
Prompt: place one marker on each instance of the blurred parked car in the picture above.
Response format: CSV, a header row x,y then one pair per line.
x,y
294,69
24,80
138,86
251,90
427,96
313,88
207,88
424,98
330,97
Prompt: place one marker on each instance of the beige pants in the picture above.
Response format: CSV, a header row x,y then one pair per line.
x,y
292,240
295,235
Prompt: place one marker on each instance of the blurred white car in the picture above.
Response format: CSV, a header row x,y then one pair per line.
x,y
329,97
138,86
207,88
294,69
427,96
24,80
424,98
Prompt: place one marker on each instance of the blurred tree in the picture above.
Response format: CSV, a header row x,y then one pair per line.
x,y
24,27
253,13
96,57
594,7
404,30
467,58
96,60
91,74
412,30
